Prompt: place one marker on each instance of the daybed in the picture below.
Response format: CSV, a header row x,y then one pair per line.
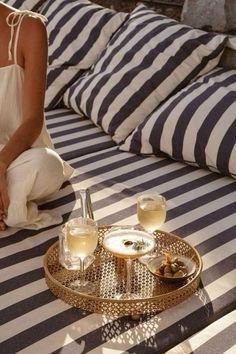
x,y
177,137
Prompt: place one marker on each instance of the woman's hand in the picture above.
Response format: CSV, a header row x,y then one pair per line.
x,y
4,200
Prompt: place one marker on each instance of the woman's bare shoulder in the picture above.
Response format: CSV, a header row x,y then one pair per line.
x,y
34,23
33,31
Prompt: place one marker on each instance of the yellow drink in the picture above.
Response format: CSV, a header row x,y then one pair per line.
x,y
82,241
151,214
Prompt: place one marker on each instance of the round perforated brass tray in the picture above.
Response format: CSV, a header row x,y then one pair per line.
x,y
107,275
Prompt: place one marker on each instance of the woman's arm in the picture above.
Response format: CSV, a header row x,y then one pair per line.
x,y
32,51
33,45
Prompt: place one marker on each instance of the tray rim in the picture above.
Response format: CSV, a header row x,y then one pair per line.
x,y
112,300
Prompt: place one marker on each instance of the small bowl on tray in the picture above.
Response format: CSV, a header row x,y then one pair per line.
x,y
184,268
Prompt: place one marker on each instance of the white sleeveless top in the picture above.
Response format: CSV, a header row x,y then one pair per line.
x,y
11,87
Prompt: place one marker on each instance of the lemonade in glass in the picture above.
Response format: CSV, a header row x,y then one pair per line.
x,y
151,213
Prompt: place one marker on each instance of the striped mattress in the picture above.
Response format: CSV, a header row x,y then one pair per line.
x,y
201,210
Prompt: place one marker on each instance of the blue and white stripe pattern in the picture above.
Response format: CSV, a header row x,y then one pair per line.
x,y
201,209
78,31
32,5
71,135
146,60
218,337
196,126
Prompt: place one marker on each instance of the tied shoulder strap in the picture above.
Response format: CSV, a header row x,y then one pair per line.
x,y
14,20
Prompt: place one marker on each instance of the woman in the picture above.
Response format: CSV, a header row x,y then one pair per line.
x,y
30,170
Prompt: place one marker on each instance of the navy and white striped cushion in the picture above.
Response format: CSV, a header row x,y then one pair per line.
x,y
219,334
201,209
196,126
32,5
145,61
78,31
73,137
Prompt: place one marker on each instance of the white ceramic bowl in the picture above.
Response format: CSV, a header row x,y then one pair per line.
x,y
156,262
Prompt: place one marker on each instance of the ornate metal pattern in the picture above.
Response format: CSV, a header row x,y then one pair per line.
x,y
107,277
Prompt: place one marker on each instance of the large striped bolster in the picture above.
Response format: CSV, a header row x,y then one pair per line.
x,y
146,60
78,31
32,5
196,126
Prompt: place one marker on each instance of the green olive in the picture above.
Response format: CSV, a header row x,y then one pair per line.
x,y
174,267
179,274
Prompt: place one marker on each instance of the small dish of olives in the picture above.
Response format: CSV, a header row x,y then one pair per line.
x,y
172,268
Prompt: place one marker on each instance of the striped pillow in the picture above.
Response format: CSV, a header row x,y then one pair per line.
x,y
32,5
145,61
228,58
78,31
196,126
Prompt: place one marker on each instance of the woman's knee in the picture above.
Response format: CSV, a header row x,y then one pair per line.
x,y
40,172
38,159
49,168
47,161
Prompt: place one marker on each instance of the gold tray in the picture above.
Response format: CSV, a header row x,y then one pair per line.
x,y
107,274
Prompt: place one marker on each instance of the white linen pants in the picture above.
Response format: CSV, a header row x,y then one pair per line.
x,y
32,178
